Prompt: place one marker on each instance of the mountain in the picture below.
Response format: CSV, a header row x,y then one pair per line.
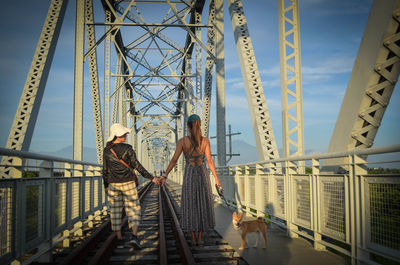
x,y
248,153
89,153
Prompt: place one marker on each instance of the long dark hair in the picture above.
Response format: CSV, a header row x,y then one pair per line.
x,y
195,130
111,143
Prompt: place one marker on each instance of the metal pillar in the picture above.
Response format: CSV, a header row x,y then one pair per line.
x,y
28,108
374,76
189,93
262,128
94,81
199,65
220,82
210,60
179,135
117,83
78,79
107,73
291,90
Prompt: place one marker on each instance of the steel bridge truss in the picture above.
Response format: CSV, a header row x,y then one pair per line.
x,y
153,80
291,90
28,108
156,79
374,76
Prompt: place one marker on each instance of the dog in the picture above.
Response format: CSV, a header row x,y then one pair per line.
x,y
246,227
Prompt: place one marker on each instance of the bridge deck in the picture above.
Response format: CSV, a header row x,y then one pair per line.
x,y
280,248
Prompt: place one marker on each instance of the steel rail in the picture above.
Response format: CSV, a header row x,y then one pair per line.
x,y
75,257
163,258
187,255
104,253
78,254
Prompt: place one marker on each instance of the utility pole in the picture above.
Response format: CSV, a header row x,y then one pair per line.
x,y
229,135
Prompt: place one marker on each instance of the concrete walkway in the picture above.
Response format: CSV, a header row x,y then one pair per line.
x,y
281,250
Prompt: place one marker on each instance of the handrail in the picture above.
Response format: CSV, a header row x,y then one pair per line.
x,y
30,155
368,151
52,209
354,207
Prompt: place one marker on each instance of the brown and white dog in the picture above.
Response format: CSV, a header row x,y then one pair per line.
x,y
246,227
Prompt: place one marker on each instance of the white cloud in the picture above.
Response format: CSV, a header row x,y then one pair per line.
x,y
324,66
333,65
274,70
325,90
271,83
236,102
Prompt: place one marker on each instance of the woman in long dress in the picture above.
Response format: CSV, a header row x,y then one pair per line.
x,y
197,202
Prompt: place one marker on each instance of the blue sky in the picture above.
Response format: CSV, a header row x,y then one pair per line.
x,y
331,32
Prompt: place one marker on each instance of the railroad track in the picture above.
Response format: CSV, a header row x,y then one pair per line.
x,y
162,240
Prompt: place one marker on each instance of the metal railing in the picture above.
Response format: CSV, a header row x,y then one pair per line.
x,y
356,212
45,201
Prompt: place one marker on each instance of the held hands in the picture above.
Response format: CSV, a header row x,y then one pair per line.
x,y
159,181
163,179
156,180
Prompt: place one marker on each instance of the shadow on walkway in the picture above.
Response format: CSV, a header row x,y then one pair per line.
x,y
281,249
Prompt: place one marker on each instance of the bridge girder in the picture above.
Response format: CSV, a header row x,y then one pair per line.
x,y
260,119
141,73
374,76
29,104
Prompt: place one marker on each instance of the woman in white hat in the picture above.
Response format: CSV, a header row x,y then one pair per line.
x,y
120,181
197,202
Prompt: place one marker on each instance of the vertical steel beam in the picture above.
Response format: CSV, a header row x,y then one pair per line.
x,y
78,79
94,80
107,73
199,65
262,128
121,107
220,82
209,70
28,108
179,135
115,110
374,76
291,90
190,97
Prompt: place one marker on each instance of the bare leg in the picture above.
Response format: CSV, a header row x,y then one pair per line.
x,y
193,236
200,235
135,229
119,235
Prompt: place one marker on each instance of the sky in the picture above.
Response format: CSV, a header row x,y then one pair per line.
x,y
330,33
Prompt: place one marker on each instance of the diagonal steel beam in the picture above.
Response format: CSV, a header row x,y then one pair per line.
x,y
374,76
28,108
261,121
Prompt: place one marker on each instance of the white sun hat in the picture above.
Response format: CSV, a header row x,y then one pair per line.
x,y
117,130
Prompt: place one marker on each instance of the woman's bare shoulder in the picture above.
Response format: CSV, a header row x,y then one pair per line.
x,y
182,140
205,140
